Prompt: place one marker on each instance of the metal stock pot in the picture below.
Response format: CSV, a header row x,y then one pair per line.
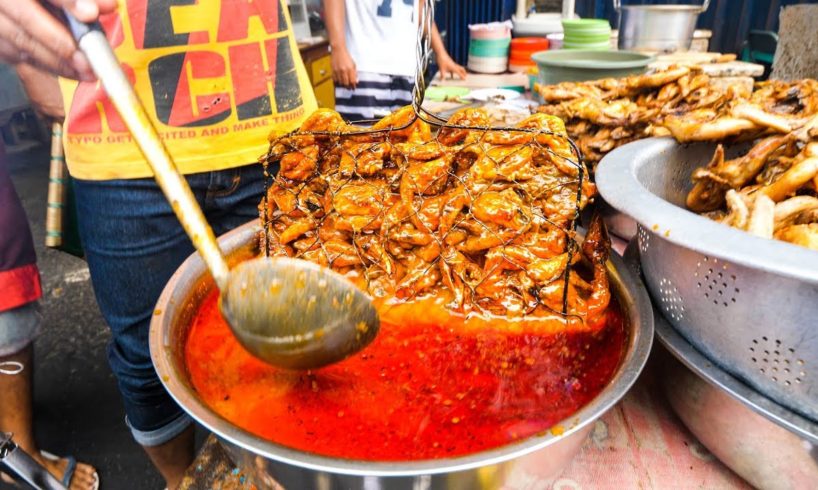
x,y
273,466
662,28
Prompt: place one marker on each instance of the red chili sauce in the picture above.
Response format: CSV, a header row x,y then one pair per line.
x,y
418,391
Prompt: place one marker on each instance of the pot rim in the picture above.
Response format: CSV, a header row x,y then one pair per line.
x,y
631,295
590,59
665,8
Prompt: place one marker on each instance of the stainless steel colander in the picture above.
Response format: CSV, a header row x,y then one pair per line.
x,y
749,304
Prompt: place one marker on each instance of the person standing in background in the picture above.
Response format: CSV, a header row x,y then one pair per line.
x,y
374,61
20,322
20,288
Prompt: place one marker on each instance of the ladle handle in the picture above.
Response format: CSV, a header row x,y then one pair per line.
x,y
91,40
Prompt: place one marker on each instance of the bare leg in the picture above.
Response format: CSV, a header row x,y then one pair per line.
x,y
173,457
16,416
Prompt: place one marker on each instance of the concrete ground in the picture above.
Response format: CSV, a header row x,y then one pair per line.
x,y
78,410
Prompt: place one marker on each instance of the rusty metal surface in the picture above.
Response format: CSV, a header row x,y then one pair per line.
x,y
214,470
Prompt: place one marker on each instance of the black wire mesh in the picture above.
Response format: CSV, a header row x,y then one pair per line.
x,y
487,213
396,202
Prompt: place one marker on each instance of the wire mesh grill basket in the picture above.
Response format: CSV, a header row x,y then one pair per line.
x,y
471,199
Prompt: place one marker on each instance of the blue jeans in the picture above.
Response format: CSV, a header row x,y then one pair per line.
x,y
133,244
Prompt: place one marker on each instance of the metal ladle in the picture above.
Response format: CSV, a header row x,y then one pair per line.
x,y
287,312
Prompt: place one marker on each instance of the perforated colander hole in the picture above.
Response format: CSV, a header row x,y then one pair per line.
x,y
672,303
717,284
775,361
643,238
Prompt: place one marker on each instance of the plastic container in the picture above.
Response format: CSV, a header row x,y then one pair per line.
x,y
532,44
555,40
601,46
444,93
493,30
489,46
522,48
537,24
587,34
590,38
533,77
584,24
488,65
570,65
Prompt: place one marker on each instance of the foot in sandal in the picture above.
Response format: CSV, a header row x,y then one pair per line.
x,y
73,475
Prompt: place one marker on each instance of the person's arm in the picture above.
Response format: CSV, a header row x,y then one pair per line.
x,y
29,33
445,63
344,71
43,91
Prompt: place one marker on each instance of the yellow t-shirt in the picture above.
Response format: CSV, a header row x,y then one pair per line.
x,y
216,77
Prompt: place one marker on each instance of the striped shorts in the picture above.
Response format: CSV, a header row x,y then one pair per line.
x,y
375,96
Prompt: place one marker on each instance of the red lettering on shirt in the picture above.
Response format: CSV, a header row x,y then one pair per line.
x,y
112,25
152,24
171,79
85,114
250,81
234,18
137,11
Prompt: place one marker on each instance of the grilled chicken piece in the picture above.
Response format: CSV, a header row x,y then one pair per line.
x,y
480,215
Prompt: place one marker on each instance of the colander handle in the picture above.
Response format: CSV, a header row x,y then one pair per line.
x,y
617,4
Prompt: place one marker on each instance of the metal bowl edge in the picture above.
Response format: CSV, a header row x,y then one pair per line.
x,y
630,293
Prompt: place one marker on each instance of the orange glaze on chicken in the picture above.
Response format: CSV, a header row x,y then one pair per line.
x,y
480,217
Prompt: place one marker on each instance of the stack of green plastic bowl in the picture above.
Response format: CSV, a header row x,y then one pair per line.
x,y
586,34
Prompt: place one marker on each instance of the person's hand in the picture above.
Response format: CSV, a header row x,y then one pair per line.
x,y
43,91
448,68
344,72
29,33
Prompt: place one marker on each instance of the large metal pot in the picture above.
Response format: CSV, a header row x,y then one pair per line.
x,y
275,466
766,444
662,28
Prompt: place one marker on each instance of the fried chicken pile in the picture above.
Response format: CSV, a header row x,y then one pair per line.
x,y
601,115
774,107
480,217
683,102
772,191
